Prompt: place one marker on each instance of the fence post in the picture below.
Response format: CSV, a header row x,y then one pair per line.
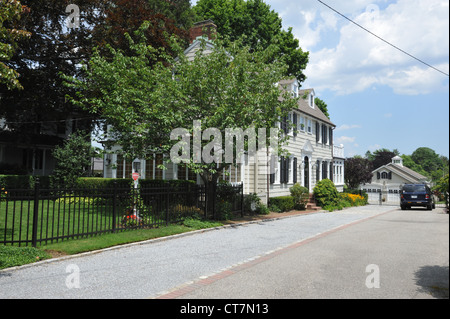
x,y
242,199
167,209
114,207
35,213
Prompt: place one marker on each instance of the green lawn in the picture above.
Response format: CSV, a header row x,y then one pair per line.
x,y
66,218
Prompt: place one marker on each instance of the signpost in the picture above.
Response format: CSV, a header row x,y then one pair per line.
x,y
135,177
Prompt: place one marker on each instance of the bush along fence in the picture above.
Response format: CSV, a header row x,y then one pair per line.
x,y
44,215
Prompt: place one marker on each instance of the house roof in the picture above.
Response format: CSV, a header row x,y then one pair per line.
x,y
404,172
303,105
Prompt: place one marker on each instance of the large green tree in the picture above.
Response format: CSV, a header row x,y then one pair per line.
x,y
225,87
358,171
53,48
10,12
260,25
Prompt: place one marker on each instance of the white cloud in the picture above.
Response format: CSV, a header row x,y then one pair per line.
x,y
353,60
345,127
345,139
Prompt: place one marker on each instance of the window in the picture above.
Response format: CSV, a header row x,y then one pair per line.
x,y
302,124
309,126
311,100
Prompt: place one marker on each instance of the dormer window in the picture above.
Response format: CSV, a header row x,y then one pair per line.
x,y
311,100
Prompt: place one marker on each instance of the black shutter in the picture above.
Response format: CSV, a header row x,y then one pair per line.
x,y
282,170
317,132
331,135
272,169
294,169
331,171
318,171
284,125
378,175
294,120
286,168
390,175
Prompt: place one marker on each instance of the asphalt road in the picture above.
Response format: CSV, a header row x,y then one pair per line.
x,y
321,255
398,255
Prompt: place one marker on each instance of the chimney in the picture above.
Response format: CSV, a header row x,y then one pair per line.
x,y
204,28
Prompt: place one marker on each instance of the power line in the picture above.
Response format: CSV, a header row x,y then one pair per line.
x,y
392,45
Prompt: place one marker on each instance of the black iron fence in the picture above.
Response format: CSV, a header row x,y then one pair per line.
x,y
41,216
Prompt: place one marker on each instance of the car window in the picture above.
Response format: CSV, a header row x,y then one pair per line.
x,y
414,188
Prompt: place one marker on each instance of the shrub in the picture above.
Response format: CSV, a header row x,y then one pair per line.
x,y
284,203
300,195
326,193
253,205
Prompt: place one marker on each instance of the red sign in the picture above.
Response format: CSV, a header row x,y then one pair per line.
x,y
135,176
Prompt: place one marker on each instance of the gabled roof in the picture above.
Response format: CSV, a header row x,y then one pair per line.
x,y
303,105
403,172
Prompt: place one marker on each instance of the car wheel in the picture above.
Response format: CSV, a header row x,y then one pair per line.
x,y
429,207
402,207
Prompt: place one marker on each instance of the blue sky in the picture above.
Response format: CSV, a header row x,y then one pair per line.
x,y
377,96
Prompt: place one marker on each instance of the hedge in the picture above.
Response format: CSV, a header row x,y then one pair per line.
x,y
23,181
283,203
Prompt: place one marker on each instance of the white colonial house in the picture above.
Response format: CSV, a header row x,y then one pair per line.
x,y
387,181
313,156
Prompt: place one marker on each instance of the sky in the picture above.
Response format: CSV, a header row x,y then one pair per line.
x,y
377,96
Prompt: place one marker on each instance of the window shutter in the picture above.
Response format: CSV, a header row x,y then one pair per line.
x,y
286,168
318,171
295,170
378,175
285,125
294,120
390,175
272,169
282,170
331,171
331,135
317,132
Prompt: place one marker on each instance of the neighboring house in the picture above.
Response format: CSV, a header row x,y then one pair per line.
x,y
388,179
31,153
313,156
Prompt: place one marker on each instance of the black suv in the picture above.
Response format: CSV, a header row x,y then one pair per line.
x,y
416,195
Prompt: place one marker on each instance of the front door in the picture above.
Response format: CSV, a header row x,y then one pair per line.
x,y
306,172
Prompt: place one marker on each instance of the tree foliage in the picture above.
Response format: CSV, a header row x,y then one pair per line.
x,y
322,106
10,12
260,26
358,171
72,161
143,100
54,49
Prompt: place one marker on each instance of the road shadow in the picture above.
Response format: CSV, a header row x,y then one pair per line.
x,y
433,280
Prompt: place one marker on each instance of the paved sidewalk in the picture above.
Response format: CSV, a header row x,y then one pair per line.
x,y
149,269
